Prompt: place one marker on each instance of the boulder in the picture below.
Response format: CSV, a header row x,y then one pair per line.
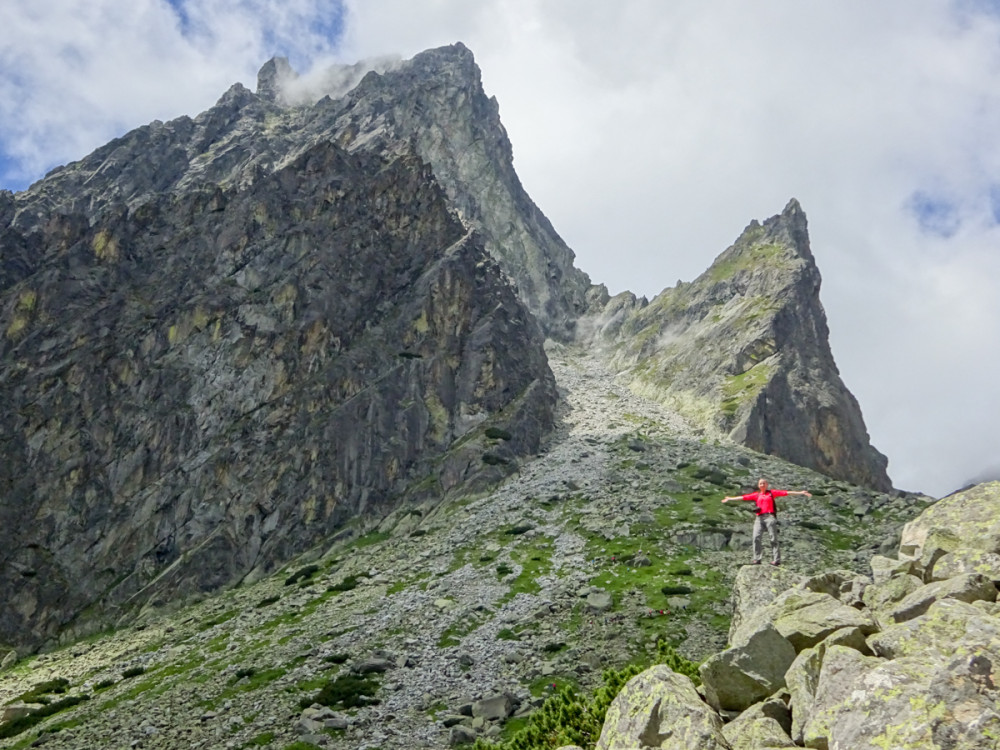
x,y
884,568
748,672
966,560
17,710
802,677
9,659
461,735
966,588
881,598
493,708
755,587
839,668
806,617
766,724
599,601
950,628
914,702
660,708
756,734
840,584
373,665
969,519
850,637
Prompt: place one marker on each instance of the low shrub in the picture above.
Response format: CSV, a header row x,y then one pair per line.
x,y
23,723
496,433
492,459
345,691
41,689
268,601
669,590
569,718
302,574
521,528
351,582
133,672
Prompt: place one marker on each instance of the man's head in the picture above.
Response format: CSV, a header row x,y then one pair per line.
x,y
762,485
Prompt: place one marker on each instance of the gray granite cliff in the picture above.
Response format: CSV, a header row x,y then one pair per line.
x,y
202,379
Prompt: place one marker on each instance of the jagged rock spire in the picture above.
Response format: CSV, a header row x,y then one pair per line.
x,y
744,351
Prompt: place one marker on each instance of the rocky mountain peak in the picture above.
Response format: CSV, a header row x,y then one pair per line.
x,y
744,352
272,78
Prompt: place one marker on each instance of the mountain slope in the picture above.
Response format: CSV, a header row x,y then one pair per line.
x,y
543,581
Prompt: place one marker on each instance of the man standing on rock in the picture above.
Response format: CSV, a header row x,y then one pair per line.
x,y
766,518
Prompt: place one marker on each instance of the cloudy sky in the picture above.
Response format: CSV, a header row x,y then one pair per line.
x,y
650,133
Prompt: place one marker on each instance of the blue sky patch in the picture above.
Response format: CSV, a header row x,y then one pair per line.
x,y
934,213
182,14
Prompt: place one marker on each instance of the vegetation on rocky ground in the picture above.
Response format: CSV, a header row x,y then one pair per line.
x,y
571,718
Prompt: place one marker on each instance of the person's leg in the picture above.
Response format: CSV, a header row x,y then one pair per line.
x,y
757,534
772,533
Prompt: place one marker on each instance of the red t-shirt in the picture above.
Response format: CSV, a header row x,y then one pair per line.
x,y
765,500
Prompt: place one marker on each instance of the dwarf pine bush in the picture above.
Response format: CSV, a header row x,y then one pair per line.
x,y
568,718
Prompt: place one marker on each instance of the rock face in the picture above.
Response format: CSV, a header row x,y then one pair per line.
x,y
743,351
432,106
922,679
224,338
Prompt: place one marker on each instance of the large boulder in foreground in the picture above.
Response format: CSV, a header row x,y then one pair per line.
x,y
749,671
805,613
756,586
916,703
965,520
661,709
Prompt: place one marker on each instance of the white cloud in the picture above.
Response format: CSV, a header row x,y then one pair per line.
x,y
651,133
77,74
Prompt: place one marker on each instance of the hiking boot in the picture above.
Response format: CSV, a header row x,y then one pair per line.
x,y
775,564
755,562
